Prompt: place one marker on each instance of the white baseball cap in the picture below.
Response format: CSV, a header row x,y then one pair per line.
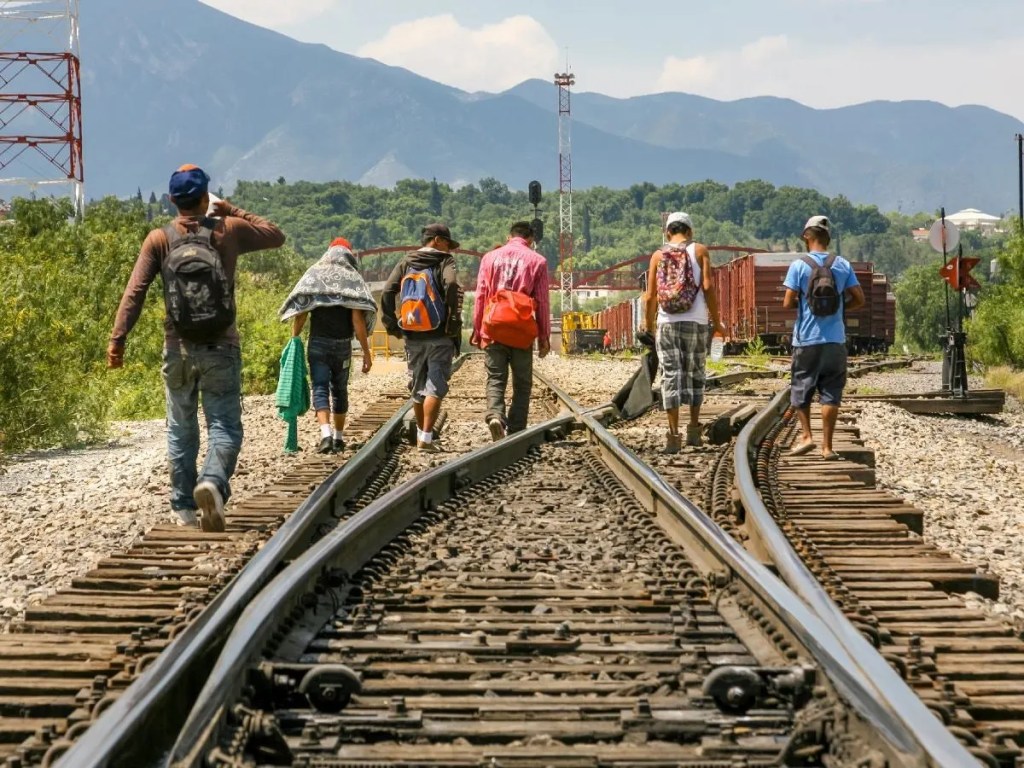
x,y
818,222
679,217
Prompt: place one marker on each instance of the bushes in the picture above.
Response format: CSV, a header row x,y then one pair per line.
x,y
996,332
60,283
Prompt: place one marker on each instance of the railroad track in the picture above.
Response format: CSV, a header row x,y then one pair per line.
x,y
864,547
463,618
75,655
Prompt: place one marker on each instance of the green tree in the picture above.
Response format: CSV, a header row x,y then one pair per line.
x,y
920,308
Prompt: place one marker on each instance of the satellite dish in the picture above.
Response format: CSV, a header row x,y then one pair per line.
x,y
950,234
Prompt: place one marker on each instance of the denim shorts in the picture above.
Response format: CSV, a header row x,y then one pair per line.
x,y
430,366
330,361
821,368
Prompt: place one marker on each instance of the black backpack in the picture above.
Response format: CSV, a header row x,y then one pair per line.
x,y
822,296
199,298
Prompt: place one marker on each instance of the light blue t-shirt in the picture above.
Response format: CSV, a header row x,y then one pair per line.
x,y
811,329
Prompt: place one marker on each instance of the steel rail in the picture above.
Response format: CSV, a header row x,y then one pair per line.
x,y
906,713
175,676
855,671
347,548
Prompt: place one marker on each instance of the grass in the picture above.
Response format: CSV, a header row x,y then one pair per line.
x,y
1007,379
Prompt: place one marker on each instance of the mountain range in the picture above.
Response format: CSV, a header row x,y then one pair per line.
x,y
166,82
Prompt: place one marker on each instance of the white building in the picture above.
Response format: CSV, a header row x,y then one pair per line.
x,y
972,218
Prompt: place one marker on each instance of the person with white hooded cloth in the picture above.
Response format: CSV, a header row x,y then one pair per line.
x,y
339,304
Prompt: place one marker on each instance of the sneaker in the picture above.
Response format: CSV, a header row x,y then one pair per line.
x,y
497,428
326,445
693,436
185,517
673,444
428,447
338,444
208,497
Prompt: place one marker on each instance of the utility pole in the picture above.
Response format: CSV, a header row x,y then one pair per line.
x,y
1020,180
565,81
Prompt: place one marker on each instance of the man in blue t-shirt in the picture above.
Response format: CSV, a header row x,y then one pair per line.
x,y
819,342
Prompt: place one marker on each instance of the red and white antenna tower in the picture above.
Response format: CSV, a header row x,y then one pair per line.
x,y
565,81
41,96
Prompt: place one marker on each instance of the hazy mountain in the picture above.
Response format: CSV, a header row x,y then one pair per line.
x,y
171,82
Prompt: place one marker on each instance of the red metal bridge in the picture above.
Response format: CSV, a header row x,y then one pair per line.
x,y
625,275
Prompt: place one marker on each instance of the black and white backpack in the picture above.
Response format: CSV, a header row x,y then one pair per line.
x,y
199,298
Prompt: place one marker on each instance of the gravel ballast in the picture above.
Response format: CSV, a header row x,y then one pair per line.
x,y
64,510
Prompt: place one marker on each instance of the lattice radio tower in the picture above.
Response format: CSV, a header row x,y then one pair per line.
x,y
41,96
565,82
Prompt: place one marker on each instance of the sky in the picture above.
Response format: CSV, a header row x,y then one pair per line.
x,y
822,53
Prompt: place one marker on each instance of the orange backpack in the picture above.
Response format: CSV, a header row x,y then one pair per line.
x,y
510,319
421,305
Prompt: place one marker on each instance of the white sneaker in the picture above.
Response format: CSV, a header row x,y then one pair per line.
x,y
185,517
497,428
208,497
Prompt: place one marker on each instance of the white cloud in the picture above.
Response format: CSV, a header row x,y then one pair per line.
x,y
489,58
272,13
831,75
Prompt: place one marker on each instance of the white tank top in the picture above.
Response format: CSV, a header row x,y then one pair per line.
x,y
698,311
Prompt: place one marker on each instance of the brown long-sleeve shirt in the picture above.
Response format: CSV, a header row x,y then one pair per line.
x,y
237,233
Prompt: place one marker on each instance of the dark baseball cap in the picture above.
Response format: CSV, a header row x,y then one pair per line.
x,y
439,230
189,181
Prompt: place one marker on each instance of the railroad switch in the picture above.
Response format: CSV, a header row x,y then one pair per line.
x,y
735,689
326,687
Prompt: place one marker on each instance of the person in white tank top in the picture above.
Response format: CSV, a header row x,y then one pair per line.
x,y
682,337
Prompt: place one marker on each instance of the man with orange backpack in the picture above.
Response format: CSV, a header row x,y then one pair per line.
x,y
511,312
420,302
679,302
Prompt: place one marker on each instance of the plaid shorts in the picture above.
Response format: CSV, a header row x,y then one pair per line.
x,y
682,348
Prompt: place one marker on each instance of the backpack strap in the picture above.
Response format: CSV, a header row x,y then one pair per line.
x,y
172,234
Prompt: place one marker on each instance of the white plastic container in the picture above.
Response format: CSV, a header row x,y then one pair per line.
x,y
717,348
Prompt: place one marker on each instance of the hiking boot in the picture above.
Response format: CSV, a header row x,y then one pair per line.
x,y
673,444
338,444
427,447
207,496
693,436
186,517
326,445
497,428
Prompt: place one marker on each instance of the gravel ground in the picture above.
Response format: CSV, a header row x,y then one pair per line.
x,y
591,380
65,510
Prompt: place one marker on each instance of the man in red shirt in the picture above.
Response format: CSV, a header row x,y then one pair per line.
x,y
513,267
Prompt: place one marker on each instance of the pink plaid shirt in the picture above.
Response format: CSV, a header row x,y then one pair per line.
x,y
515,267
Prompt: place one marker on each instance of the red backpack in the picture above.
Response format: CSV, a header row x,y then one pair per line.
x,y
510,319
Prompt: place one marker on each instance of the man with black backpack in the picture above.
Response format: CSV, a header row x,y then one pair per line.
x,y
820,287
420,302
196,255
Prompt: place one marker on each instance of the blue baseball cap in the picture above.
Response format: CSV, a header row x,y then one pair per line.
x,y
189,181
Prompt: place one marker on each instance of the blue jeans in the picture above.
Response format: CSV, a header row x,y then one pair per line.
x,y
330,361
214,372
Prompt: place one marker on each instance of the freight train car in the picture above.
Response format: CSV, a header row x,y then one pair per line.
x,y
750,293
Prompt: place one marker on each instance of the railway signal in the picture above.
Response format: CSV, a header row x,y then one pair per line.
x,y
944,237
956,272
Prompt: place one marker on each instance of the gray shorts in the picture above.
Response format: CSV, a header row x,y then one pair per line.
x,y
821,368
430,366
